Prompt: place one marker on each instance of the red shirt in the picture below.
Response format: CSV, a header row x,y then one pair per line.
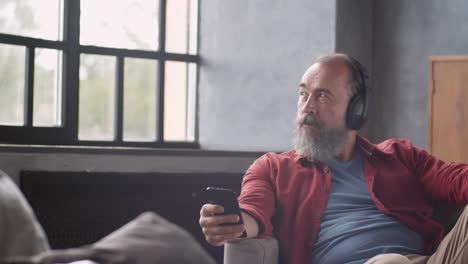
x,y
287,194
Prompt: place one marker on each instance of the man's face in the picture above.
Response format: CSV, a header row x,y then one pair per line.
x,y
321,132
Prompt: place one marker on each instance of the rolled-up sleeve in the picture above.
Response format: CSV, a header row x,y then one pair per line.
x,y
257,196
447,182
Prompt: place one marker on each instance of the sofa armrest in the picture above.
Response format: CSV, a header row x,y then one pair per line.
x,y
252,251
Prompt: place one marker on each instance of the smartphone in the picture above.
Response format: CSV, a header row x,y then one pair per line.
x,y
227,198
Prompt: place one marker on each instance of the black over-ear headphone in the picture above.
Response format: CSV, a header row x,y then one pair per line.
x,y
356,113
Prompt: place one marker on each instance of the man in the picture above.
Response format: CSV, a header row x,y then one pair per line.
x,y
20,233
337,198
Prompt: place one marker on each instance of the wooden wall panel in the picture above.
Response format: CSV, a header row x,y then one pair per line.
x,y
448,108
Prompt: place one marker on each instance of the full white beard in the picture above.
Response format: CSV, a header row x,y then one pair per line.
x,y
323,146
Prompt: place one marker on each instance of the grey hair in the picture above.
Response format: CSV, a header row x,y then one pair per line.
x,y
355,80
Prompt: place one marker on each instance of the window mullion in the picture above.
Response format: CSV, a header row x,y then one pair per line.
x,y
162,26
29,92
119,82
160,102
71,63
161,72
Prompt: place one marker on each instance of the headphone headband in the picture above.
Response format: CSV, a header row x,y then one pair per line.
x,y
356,113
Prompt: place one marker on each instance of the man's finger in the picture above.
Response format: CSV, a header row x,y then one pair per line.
x,y
218,219
211,209
222,230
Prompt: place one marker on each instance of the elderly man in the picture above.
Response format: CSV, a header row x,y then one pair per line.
x,y
337,198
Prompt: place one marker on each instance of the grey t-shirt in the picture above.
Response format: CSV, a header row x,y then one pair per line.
x,y
353,229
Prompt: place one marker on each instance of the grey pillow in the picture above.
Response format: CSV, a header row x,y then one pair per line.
x,y
147,239
20,232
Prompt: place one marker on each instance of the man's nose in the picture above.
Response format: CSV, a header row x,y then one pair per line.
x,y
309,106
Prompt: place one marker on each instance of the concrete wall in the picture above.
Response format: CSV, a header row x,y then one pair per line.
x,y
405,34
253,56
354,37
354,29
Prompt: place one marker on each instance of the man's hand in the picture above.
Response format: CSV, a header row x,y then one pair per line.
x,y
211,223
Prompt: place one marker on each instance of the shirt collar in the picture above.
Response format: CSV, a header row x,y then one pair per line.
x,y
369,149
301,159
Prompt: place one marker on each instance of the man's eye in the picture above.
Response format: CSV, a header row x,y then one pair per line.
x,y
322,97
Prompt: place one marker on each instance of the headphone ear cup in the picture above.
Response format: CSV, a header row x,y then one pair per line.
x,y
355,113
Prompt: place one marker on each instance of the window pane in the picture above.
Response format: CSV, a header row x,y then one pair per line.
x,y
181,26
32,18
97,97
130,24
47,88
12,84
139,111
178,101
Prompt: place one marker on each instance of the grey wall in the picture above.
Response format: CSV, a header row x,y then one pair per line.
x,y
354,37
405,34
253,56
354,29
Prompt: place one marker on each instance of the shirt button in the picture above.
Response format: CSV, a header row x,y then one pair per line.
x,y
326,170
325,188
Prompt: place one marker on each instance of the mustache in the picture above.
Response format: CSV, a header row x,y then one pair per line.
x,y
311,120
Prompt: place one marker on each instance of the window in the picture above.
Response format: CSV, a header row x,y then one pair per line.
x,y
118,73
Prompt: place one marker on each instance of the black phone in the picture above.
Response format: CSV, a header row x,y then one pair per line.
x,y
227,198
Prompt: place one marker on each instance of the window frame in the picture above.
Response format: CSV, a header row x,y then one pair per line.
x,y
67,133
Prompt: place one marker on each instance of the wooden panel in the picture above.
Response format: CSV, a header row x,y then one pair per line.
x,y
448,111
